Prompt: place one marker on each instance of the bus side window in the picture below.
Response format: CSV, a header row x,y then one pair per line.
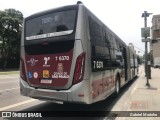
x,y
100,46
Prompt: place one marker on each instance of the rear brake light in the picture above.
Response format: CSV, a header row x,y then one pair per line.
x,y
79,69
22,70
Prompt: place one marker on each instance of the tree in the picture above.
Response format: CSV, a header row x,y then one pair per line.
x,y
10,34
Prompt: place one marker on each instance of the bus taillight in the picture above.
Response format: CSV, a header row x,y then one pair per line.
x,y
79,68
22,70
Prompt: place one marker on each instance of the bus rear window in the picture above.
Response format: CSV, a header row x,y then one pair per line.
x,y
50,25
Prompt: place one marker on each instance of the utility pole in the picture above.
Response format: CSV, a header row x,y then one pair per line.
x,y
145,15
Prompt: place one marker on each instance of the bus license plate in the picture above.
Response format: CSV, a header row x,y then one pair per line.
x,y
47,81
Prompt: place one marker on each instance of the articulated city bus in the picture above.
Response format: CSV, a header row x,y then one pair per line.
x,y
69,55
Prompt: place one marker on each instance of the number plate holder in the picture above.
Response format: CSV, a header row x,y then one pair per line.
x,y
46,80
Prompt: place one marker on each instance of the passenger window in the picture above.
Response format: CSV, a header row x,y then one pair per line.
x,y
100,46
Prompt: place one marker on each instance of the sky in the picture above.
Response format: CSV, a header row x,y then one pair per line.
x,y
123,17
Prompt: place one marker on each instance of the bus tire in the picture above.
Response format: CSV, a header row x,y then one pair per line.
x,y
117,85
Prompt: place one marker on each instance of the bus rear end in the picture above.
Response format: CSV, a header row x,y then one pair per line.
x,y
52,58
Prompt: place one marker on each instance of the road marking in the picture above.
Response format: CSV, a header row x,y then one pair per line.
x,y
10,81
9,89
3,78
16,105
8,76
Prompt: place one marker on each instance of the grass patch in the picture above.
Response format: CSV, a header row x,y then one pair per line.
x,y
9,72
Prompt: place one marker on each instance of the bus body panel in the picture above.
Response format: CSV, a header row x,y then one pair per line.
x,y
49,70
81,34
102,83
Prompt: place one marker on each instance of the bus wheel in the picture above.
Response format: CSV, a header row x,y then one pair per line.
x,y
117,85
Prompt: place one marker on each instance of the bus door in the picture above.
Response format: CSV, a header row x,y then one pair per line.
x,y
134,67
125,62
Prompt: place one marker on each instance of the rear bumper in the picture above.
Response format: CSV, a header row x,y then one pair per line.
x,y
70,95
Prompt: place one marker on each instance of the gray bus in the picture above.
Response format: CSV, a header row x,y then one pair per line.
x,y
69,55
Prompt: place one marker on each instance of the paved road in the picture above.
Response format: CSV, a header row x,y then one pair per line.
x,y
11,100
9,92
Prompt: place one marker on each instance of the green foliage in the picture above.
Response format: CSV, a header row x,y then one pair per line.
x,y
10,35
